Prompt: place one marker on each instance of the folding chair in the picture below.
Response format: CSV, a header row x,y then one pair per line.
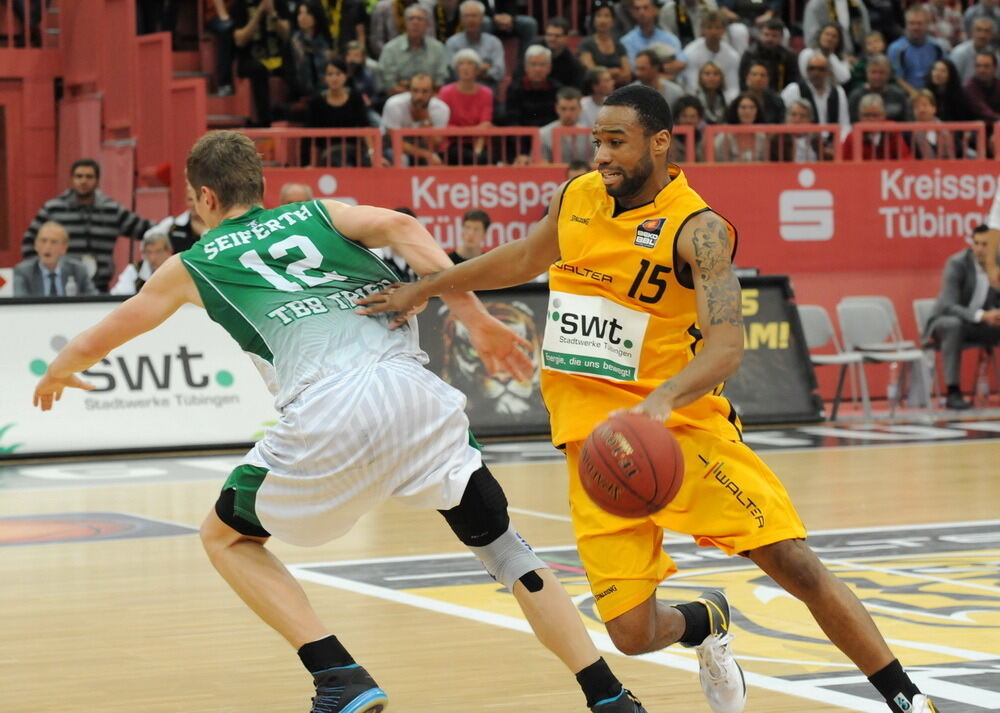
x,y
867,329
818,330
890,309
923,308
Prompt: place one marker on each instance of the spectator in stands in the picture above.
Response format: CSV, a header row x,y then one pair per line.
x,y
945,22
470,104
782,65
913,54
155,251
295,193
600,84
446,20
418,108
387,22
575,147
850,15
929,143
475,223
348,22
624,17
51,273
758,84
646,33
360,71
262,32
983,90
220,24
489,48
412,53
982,40
602,48
531,100
946,86
896,102
504,20
982,8
967,310
683,18
93,220
829,100
875,145
688,111
800,148
185,229
830,43
874,44
311,47
749,14
713,93
648,73
339,107
577,168
744,110
566,69
710,47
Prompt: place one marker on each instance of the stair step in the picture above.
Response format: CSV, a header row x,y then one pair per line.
x,y
186,61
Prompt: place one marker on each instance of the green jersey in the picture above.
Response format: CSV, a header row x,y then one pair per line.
x,y
283,282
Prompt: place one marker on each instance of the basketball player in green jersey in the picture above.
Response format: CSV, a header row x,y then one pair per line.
x,y
361,420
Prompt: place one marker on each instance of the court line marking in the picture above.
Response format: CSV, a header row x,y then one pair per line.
x,y
603,642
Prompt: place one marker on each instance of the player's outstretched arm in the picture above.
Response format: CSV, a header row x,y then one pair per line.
x,y
373,227
167,289
509,264
706,245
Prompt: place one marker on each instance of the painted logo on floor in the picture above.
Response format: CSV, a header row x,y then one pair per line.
x,y
934,592
51,528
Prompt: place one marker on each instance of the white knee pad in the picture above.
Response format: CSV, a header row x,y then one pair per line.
x,y
508,558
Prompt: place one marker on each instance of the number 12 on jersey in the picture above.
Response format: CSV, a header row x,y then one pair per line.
x,y
311,260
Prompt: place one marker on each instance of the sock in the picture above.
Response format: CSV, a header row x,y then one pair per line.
x,y
598,683
895,686
695,623
324,654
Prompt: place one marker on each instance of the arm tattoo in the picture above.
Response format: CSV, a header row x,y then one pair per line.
x,y
722,290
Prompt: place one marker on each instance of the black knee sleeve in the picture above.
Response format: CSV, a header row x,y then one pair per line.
x,y
481,517
225,508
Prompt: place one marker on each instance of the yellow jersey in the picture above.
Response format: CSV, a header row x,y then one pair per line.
x,y
620,319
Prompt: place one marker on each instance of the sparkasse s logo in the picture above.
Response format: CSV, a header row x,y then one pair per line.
x,y
806,214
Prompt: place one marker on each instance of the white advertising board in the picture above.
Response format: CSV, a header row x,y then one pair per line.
x,y
184,384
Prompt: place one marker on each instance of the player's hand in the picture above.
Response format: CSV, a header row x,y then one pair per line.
x,y
49,389
403,299
992,317
655,406
500,348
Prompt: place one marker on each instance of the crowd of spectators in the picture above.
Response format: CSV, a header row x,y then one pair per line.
x,y
444,63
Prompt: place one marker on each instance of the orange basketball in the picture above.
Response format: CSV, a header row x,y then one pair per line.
x,y
631,465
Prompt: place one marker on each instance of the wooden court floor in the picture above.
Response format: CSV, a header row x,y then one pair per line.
x,y
117,625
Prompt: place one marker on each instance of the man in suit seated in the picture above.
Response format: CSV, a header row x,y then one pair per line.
x,y
967,311
51,273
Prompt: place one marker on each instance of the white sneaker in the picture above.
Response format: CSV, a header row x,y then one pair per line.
x,y
923,704
721,677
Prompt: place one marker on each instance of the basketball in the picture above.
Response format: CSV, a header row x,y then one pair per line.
x,y
631,465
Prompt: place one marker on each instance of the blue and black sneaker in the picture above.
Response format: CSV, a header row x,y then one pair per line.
x,y
347,689
624,702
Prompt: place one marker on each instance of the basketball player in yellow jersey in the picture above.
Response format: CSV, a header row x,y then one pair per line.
x,y
645,315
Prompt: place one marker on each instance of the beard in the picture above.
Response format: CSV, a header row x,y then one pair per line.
x,y
632,181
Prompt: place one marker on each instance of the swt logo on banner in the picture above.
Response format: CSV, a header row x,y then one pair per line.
x,y
806,214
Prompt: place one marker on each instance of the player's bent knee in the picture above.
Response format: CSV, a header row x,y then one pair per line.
x,y
481,517
510,559
794,565
630,640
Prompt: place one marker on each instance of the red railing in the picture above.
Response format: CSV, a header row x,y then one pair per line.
x,y
953,139
318,147
822,140
682,135
465,146
29,24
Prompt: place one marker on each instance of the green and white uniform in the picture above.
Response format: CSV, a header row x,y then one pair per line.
x,y
361,419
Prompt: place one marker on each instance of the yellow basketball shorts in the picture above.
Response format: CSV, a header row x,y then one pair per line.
x,y
729,498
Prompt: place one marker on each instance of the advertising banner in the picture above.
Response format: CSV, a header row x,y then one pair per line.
x,y
790,217
184,384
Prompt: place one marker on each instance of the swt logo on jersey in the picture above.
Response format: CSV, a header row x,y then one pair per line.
x,y
648,232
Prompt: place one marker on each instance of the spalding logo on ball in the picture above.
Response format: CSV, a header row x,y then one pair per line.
x,y
631,465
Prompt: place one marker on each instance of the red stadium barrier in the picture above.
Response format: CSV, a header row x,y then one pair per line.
x,y
467,146
559,132
825,149
962,137
317,147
